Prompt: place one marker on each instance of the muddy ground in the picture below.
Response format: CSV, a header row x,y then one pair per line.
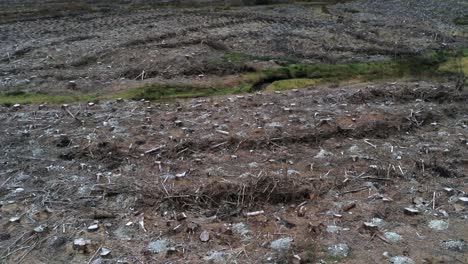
x,y
95,48
319,164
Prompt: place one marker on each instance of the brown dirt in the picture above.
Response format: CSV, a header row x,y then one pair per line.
x,y
334,151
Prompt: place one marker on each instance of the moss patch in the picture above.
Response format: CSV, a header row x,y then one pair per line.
x,y
167,92
461,21
289,76
290,84
21,97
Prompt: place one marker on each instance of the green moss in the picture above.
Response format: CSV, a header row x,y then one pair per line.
x,y
237,57
21,97
461,21
290,84
289,76
167,92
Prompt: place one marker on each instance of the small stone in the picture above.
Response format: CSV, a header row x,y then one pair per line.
x,y
217,257
392,236
241,229
81,242
401,260
281,244
370,226
455,245
18,190
181,217
463,200
438,225
334,229
349,206
323,154
205,236
93,227
411,211
339,250
15,219
158,246
105,252
378,222
39,229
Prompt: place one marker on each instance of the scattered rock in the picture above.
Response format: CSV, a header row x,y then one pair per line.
x,y
401,260
40,229
81,243
463,200
105,252
217,257
241,229
349,206
334,229
411,211
370,226
338,250
378,222
323,154
15,219
205,236
93,227
180,217
438,225
158,246
392,237
455,245
281,244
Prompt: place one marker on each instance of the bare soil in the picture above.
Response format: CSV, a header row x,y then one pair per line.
x,y
347,155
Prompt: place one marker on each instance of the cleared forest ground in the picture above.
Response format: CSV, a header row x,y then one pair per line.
x,y
287,133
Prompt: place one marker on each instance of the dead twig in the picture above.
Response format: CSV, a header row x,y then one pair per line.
x,y
355,190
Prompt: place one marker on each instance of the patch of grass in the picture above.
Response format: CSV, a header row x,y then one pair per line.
x,y
465,52
290,84
461,21
237,58
289,76
455,65
159,92
21,97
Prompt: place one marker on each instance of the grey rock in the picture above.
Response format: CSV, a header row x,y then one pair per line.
x,y
339,250
323,154
158,246
455,245
334,229
401,260
241,229
205,236
217,257
274,125
438,225
378,222
393,237
281,244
